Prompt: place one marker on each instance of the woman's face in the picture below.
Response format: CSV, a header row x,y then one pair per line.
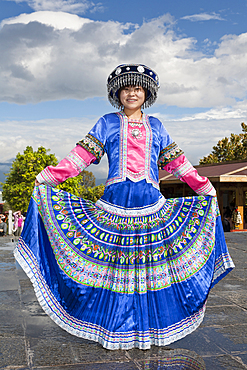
x,y
132,97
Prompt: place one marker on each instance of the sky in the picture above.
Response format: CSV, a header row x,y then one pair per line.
x,y
55,57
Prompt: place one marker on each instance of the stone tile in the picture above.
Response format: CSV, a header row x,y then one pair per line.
x,y
11,324
95,366
9,299
224,315
222,338
212,363
243,357
174,359
202,342
12,353
215,299
240,274
84,351
49,352
153,353
231,363
164,365
8,280
42,327
236,333
238,297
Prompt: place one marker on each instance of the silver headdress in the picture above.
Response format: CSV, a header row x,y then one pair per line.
x,y
135,75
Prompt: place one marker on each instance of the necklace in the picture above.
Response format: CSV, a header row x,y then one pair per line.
x,y
136,133
134,124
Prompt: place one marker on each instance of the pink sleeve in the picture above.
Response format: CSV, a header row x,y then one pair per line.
x,y
73,164
183,170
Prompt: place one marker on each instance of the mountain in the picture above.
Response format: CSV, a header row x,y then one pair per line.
x,y
4,168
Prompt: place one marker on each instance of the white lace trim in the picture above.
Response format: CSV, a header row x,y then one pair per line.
x,y
138,211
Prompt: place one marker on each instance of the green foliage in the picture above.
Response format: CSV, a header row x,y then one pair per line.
x,y
83,186
6,207
72,185
90,193
229,149
19,182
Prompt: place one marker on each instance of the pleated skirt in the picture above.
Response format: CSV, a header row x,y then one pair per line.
x,y
123,278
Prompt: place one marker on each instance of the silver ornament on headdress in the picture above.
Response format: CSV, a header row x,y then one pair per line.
x,y
135,75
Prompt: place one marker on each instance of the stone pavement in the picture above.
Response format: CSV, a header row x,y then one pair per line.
x,y
30,340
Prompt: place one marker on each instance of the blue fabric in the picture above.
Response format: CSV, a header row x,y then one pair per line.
x,y
138,194
109,130
66,258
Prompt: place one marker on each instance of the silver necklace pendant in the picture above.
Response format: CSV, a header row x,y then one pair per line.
x,y
136,133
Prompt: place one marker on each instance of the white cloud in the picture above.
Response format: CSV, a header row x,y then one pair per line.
x,y
203,17
57,20
56,55
59,135
198,133
70,6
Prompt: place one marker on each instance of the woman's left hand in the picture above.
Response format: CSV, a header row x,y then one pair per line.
x,y
37,183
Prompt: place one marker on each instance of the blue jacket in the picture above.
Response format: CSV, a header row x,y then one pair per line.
x,y
110,135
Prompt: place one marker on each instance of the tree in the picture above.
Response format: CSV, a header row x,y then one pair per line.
x,y
229,149
88,179
83,186
90,193
19,183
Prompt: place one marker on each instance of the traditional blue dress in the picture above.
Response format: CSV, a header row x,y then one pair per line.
x,y
134,269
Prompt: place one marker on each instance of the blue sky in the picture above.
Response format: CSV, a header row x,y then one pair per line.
x,y
57,54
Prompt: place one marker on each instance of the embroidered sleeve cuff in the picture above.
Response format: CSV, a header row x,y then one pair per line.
x,y
72,165
206,189
168,154
93,145
182,169
45,177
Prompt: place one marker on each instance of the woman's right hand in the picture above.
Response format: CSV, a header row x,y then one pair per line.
x,y
37,183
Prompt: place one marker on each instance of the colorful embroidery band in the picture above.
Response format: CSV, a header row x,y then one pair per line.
x,y
168,154
93,145
128,254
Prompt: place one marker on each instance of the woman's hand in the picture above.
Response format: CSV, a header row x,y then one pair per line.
x,y
37,183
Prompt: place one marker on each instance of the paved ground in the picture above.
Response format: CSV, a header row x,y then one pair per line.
x,y
30,340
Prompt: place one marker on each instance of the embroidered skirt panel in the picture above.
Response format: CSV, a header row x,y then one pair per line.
x,y
123,279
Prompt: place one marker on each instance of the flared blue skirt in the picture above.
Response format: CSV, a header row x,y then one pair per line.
x,y
123,277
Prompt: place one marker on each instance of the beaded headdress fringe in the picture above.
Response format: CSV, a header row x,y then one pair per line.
x,y
134,79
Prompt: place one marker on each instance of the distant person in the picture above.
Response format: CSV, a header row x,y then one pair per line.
x,y
18,223
226,224
3,227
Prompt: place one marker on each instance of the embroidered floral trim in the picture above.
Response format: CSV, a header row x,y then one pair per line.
x,y
134,124
46,177
135,175
206,189
93,145
123,172
77,161
91,331
168,154
140,211
183,169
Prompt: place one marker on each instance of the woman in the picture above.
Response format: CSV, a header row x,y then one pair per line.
x,y
18,223
134,269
